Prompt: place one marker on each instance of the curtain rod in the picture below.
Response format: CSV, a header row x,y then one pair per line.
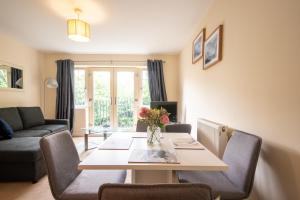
x,y
111,61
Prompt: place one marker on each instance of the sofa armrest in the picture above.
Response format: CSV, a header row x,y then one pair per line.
x,y
57,121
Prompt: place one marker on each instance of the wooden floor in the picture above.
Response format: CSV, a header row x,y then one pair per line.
x,y
41,189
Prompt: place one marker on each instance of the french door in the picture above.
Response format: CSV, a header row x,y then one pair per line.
x,y
100,94
114,96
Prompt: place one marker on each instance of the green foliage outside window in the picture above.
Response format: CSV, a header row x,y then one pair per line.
x,y
145,90
125,112
79,91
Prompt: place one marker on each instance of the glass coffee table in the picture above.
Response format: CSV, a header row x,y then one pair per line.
x,y
95,132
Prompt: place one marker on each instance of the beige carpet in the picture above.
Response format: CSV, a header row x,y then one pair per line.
x,y
26,190
39,190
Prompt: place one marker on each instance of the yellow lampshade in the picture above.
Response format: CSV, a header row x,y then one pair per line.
x,y
78,30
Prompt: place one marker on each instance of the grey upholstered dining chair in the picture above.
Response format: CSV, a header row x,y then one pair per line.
x,y
66,181
178,128
241,155
141,126
155,192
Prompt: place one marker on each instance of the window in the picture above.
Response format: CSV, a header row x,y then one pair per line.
x,y
145,90
112,96
80,87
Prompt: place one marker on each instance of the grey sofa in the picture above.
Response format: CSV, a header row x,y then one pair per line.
x,y
20,157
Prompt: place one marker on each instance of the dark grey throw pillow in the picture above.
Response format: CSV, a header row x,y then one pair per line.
x,y
6,132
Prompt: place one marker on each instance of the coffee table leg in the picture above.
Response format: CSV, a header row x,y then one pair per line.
x,y
86,142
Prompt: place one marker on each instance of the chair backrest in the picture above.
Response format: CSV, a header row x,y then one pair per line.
x,y
61,159
178,128
241,154
155,192
141,126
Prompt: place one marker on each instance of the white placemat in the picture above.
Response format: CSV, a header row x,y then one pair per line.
x,y
139,135
187,143
115,143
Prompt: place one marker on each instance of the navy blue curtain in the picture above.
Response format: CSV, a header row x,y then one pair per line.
x,y
65,92
156,80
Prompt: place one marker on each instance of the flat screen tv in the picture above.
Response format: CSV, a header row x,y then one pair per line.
x,y
170,106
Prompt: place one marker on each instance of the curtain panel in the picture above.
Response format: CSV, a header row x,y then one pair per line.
x,y
156,80
65,92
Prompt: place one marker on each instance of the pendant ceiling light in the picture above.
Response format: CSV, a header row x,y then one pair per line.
x,y
78,30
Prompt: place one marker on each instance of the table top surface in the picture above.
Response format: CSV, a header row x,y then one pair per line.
x,y
189,159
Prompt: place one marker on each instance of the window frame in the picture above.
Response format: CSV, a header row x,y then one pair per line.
x,y
114,69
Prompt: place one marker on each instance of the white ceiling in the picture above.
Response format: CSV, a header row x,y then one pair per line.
x,y
117,26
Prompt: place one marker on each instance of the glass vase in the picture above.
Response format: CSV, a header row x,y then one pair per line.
x,y
153,135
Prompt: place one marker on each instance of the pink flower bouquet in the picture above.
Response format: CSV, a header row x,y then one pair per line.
x,y
155,119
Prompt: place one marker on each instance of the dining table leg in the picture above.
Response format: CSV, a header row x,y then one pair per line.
x,y
153,176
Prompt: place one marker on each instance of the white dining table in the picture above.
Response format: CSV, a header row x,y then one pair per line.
x,y
148,173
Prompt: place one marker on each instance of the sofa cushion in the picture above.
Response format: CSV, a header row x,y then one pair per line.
x,y
6,131
23,149
51,127
31,116
31,133
12,117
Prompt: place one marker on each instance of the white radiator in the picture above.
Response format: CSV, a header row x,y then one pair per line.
x,y
213,136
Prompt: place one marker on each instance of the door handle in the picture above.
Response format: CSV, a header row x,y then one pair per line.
x,y
115,100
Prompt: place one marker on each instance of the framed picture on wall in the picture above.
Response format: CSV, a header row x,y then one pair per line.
x,y
198,45
213,48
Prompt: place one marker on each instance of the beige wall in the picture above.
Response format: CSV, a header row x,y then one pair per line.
x,y
256,88
170,70
30,60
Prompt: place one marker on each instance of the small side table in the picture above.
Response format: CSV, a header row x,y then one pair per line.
x,y
94,132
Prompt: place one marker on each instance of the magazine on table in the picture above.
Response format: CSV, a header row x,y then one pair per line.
x,y
152,156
